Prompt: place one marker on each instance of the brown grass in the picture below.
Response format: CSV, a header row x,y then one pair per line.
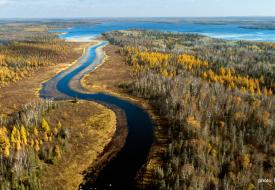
x,y
91,128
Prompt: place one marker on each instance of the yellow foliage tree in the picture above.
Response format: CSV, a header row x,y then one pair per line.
x,y
23,133
35,131
45,126
4,142
45,137
16,138
55,131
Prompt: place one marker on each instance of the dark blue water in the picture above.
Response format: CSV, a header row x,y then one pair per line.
x,y
121,171
225,31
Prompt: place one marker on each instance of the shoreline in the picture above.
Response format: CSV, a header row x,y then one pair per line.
x,y
118,142
145,173
28,87
64,68
97,127
118,139
111,149
121,130
48,88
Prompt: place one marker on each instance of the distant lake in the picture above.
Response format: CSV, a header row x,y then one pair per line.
x,y
224,31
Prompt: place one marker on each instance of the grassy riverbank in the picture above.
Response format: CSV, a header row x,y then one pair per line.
x,y
91,127
30,56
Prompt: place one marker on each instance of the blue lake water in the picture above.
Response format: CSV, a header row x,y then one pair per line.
x,y
225,31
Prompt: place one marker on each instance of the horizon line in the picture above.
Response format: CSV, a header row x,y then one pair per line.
x,y
134,17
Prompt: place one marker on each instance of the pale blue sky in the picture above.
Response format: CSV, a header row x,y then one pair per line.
x,y
134,8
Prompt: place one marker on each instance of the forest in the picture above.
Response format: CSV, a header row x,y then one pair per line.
x,y
218,98
19,59
26,139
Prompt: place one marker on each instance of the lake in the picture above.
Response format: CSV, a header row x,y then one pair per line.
x,y
224,31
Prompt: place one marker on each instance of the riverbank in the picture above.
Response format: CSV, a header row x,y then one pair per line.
x,y
91,127
110,150
87,147
108,147
109,78
17,94
133,155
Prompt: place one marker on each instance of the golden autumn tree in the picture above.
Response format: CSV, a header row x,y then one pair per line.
x,y
4,142
45,126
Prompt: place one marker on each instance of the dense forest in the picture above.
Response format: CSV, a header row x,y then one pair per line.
x,y
217,96
26,139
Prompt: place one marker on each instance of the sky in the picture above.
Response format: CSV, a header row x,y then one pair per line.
x,y
134,8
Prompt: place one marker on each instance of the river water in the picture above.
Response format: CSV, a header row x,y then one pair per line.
x,y
120,172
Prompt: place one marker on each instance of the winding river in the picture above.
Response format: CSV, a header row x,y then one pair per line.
x,y
120,172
